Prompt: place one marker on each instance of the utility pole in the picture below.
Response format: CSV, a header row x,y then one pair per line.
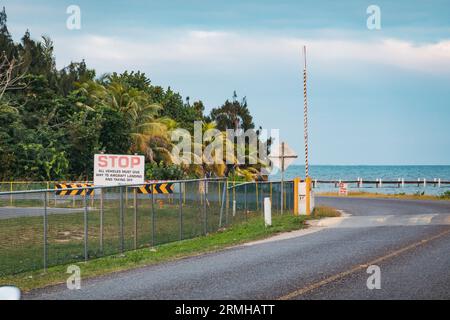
x,y
305,114
305,125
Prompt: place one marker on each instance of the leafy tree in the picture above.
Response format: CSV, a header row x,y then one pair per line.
x,y
72,75
53,121
6,43
41,163
137,80
114,133
232,115
162,171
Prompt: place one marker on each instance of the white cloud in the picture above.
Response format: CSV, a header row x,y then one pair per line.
x,y
223,50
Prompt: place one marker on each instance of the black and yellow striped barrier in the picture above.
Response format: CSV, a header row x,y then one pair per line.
x,y
163,188
63,189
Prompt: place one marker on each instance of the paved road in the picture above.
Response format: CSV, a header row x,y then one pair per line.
x,y
408,240
17,212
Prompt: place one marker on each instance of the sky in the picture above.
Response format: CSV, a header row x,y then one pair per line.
x,y
375,96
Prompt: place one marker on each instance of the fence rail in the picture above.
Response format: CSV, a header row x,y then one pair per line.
x,y
42,229
400,182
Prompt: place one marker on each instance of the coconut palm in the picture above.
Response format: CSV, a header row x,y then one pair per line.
x,y
149,133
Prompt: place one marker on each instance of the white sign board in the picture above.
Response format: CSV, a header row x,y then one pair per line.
x,y
116,169
276,155
343,189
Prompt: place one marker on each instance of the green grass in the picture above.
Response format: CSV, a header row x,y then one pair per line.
x,y
21,245
414,196
252,229
325,212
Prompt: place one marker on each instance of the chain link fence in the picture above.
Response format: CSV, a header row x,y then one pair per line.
x,y
39,228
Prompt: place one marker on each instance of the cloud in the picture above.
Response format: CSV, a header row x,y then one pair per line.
x,y
224,50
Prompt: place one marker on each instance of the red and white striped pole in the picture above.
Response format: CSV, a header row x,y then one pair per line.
x,y
305,125
305,114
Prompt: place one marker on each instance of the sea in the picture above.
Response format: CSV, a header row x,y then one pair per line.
x,y
374,172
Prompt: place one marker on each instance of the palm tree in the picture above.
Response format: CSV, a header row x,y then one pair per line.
x,y
150,134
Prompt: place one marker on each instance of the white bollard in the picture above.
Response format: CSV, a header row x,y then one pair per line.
x,y
439,182
267,212
424,182
381,183
403,182
234,208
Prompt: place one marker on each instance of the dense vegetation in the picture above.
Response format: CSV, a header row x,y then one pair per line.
x,y
53,121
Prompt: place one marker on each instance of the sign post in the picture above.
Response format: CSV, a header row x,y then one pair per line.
x,y
282,158
113,169
267,212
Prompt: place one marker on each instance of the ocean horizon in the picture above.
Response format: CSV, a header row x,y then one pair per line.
x,y
373,172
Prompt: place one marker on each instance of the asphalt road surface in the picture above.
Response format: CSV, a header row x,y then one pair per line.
x,y
408,240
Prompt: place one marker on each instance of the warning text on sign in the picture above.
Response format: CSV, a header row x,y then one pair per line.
x,y
112,169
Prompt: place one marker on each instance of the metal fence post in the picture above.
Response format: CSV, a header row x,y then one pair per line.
x,y
261,195
153,216
222,204
270,186
245,201
121,218
227,204
11,196
181,211
256,195
101,219
45,233
85,226
135,218
205,219
218,192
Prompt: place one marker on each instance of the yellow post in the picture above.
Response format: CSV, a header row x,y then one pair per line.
x,y
308,195
296,182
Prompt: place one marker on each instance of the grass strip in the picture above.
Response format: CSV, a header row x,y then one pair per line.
x,y
253,229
